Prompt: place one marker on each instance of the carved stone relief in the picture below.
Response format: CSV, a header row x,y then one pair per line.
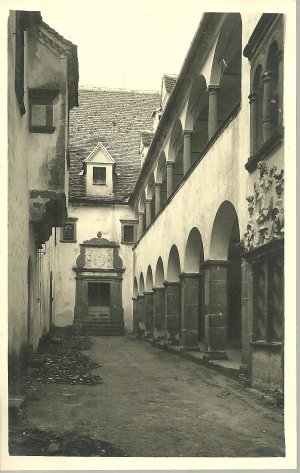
x,y
99,253
265,207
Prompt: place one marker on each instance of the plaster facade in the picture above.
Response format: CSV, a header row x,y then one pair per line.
x,y
37,176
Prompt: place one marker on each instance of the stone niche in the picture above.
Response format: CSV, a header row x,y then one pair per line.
x,y
99,271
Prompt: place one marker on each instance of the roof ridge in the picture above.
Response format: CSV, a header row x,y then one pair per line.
x,y
116,89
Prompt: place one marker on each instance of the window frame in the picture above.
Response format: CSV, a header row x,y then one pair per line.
x,y
44,97
69,221
125,223
100,183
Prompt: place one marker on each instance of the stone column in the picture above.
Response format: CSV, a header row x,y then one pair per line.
x,y
268,78
280,87
216,306
252,101
159,311
190,307
141,313
141,224
148,212
187,150
135,316
149,315
213,123
172,309
157,197
170,178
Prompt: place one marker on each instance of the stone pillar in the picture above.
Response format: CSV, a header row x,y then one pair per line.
x,y
190,307
268,78
141,224
172,309
148,212
159,311
280,87
246,313
170,178
157,197
135,316
213,123
252,101
187,150
216,306
149,315
141,313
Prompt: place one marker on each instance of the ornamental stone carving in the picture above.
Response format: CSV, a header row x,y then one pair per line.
x,y
99,254
265,208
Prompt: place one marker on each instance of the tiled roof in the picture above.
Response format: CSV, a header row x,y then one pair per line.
x,y
146,137
114,117
170,80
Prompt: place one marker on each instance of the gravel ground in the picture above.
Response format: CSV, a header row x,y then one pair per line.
x,y
152,403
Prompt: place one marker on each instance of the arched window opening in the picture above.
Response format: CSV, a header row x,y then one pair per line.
x,y
273,75
230,77
257,98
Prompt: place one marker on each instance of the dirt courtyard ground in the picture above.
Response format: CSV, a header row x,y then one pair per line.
x,y
152,403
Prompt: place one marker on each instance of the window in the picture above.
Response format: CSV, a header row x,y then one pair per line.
x,y
68,232
41,110
268,300
266,94
128,232
99,176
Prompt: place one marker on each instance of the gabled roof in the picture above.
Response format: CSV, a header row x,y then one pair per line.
x,y
62,47
99,147
114,118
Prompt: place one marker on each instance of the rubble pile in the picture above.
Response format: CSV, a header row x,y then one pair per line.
x,y
36,442
61,361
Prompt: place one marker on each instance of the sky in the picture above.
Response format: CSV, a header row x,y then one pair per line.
x,y
126,44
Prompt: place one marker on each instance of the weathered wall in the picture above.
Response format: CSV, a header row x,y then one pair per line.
x,y
47,151
91,220
18,203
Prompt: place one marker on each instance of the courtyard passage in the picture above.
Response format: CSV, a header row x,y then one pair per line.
x,y
153,403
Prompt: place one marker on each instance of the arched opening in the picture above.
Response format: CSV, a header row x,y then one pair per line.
x,y
142,212
194,256
135,288
172,296
149,279
227,63
152,195
162,177
141,284
258,93
197,116
159,273
176,152
173,271
224,246
273,71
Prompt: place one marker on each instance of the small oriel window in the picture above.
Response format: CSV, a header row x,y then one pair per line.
x,y
99,176
41,110
68,232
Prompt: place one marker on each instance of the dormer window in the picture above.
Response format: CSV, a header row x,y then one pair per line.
x,y
99,176
41,110
99,171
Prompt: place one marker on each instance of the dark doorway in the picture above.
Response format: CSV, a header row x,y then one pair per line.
x,y
99,299
234,290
